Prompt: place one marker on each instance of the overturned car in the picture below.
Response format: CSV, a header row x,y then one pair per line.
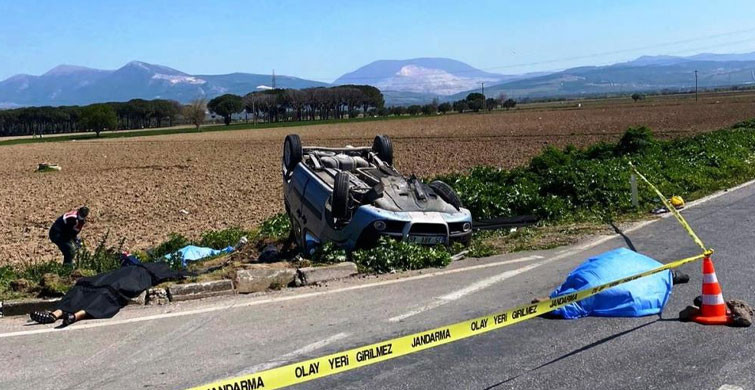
x,y
352,195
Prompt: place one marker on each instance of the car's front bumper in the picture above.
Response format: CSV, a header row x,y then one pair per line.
x,y
430,228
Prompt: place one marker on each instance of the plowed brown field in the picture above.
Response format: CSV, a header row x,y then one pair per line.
x,y
137,187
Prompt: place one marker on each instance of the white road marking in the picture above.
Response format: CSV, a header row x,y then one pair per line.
x,y
101,323
440,301
291,355
730,387
588,245
448,298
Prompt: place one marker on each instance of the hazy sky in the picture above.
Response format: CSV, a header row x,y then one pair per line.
x,y
323,39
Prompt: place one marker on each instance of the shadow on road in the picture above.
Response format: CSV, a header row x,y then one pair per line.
x,y
624,236
575,352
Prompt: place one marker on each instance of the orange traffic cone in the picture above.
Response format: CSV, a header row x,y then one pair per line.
x,y
713,310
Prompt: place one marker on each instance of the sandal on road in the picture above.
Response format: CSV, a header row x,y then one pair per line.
x,y
42,317
68,319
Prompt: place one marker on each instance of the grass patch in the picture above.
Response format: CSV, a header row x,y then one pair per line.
x,y
220,239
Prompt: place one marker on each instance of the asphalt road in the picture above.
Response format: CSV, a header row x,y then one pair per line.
x,y
188,344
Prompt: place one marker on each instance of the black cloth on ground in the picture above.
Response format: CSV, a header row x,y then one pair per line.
x,y
103,295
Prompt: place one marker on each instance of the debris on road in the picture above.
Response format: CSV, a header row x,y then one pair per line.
x,y
741,312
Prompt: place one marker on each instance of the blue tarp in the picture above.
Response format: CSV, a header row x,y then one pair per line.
x,y
193,253
641,297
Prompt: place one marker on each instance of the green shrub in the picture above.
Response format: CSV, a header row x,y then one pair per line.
x,y
219,239
593,183
634,140
328,253
104,258
393,255
174,242
277,227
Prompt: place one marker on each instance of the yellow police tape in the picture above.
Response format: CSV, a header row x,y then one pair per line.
x,y
673,211
375,353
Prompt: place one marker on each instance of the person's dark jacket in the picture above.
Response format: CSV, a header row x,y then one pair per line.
x,y
66,227
103,295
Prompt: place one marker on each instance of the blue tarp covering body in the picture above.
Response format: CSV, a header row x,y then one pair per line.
x,y
193,253
641,297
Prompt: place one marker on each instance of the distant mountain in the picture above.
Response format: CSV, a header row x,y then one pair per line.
x,y
643,74
672,60
71,85
425,76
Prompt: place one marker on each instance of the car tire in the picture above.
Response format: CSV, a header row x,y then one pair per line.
x,y
446,193
340,202
383,147
292,152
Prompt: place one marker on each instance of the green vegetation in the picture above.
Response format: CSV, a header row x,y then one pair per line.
x,y
103,259
593,183
276,227
51,279
98,117
393,255
174,242
225,106
219,239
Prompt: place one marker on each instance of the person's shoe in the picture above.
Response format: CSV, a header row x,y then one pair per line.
x,y
679,277
68,319
42,317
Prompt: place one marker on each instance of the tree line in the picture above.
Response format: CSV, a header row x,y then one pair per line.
x,y
274,105
133,114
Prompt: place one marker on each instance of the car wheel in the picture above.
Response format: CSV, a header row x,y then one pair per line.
x,y
446,193
340,202
292,152
383,147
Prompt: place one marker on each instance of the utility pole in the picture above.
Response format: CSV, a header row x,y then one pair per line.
x,y
273,78
695,84
484,106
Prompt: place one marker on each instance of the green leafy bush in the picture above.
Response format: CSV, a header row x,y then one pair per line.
x,y
575,184
329,252
634,140
219,239
277,227
174,242
104,258
393,255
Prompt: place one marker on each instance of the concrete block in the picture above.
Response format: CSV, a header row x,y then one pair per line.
x,y
260,279
25,306
185,292
316,275
140,300
157,296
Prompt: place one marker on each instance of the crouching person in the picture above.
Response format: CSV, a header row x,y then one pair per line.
x,y
65,232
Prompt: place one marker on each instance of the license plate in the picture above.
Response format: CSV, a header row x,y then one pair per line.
x,y
427,240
